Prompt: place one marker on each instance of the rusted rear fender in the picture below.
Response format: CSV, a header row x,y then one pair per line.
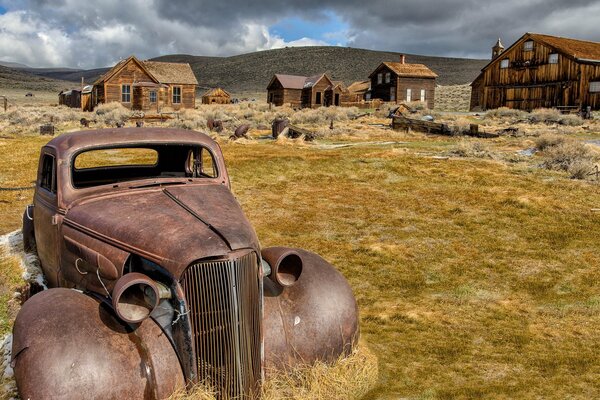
x,y
69,345
314,319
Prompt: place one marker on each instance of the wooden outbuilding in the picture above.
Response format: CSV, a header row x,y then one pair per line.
x,y
147,85
301,91
397,82
540,71
70,98
216,96
358,91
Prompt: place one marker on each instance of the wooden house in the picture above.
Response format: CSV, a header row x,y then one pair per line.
x,y
301,91
70,98
216,96
397,82
540,71
147,85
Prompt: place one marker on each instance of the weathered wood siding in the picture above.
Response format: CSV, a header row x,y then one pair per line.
x,y
309,95
383,90
532,82
129,74
399,85
416,85
279,96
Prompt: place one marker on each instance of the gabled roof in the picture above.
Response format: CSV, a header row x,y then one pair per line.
x,y
579,49
161,72
298,82
408,70
216,92
360,86
169,72
290,81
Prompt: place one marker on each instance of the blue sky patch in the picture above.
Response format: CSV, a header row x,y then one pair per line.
x,y
330,29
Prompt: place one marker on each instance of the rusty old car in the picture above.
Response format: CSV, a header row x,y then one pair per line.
x,y
157,280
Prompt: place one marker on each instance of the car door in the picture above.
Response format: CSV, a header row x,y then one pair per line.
x,y
46,217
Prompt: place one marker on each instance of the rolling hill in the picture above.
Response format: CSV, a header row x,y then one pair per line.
x,y
251,72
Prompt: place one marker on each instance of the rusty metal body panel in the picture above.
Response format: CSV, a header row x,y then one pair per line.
x,y
178,248
85,351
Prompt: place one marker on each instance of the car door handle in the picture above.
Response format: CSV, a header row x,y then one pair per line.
x,y
55,219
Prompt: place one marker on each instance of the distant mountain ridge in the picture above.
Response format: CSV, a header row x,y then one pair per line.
x,y
252,72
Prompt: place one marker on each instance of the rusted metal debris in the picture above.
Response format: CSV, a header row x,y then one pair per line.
x,y
241,132
278,125
124,242
214,125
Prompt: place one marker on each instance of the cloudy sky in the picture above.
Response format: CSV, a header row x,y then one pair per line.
x,y
88,34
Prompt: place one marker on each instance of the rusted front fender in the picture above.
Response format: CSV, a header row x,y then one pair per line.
x,y
314,319
69,345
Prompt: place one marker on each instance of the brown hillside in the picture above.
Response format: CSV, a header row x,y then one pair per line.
x,y
251,72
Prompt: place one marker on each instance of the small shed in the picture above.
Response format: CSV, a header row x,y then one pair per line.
x,y
358,91
216,96
70,98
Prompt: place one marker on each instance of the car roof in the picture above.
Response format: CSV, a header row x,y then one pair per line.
x,y
71,143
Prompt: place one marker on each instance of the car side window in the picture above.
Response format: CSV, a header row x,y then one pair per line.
x,y
201,163
48,175
209,168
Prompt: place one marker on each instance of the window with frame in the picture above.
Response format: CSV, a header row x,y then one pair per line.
x,y
126,93
176,94
422,94
153,96
48,175
528,45
595,87
505,63
388,77
553,58
201,164
379,78
408,94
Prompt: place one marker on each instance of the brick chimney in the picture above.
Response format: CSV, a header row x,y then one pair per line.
x,y
402,59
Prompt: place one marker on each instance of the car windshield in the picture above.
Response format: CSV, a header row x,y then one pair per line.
x,y
112,165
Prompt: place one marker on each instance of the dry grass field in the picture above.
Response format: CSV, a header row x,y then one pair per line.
x,y
475,266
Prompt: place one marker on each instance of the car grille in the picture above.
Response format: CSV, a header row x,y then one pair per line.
x,y
224,300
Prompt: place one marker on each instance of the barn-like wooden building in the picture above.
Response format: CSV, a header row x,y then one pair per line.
x,y
147,85
216,96
540,71
302,91
70,98
397,82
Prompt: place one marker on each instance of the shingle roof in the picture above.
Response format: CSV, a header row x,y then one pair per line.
x,y
167,72
411,70
216,92
163,72
360,86
579,49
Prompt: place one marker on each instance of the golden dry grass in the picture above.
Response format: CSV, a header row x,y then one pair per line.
x,y
350,378
475,277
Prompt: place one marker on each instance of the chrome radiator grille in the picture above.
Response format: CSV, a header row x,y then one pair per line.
x,y
224,304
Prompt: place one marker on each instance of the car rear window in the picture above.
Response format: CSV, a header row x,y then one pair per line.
x,y
116,158
104,166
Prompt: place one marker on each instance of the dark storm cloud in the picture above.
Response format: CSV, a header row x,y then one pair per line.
x,y
88,34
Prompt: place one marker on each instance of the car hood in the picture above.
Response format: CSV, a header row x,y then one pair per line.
x,y
172,226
